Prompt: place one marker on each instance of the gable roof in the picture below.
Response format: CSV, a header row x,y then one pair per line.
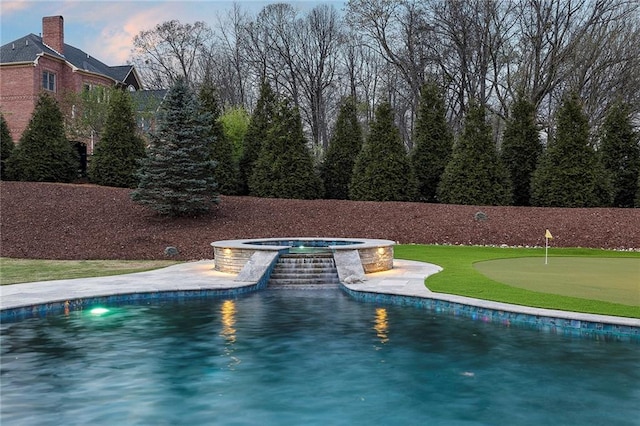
x,y
28,48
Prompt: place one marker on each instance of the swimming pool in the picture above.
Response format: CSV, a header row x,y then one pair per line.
x,y
306,357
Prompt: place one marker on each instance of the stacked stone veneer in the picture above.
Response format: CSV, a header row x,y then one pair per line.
x,y
231,260
231,255
376,259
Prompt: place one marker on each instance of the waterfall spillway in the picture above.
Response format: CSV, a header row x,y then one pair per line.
x,y
309,269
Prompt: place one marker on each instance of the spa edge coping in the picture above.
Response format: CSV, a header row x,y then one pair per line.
x,y
354,243
193,278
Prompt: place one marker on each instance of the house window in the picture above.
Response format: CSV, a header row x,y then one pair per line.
x,y
48,81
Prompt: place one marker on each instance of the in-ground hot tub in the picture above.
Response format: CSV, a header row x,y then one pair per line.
x,y
231,255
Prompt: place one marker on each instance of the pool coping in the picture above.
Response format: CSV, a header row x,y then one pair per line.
x,y
404,284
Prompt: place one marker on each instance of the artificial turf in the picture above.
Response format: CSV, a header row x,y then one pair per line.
x,y
461,276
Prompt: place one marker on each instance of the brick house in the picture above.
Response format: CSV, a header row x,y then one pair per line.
x,y
35,63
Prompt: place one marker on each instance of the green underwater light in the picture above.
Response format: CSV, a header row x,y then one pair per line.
x,y
98,311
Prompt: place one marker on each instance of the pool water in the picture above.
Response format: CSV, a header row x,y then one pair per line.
x,y
312,357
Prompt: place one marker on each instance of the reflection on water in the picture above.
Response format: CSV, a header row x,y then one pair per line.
x,y
228,311
382,326
228,333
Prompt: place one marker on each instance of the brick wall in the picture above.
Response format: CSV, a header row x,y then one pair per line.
x,y
17,97
20,87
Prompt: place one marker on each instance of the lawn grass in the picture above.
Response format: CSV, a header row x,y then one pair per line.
x,y
14,271
460,277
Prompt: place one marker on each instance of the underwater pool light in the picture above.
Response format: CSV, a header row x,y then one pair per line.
x,y
99,311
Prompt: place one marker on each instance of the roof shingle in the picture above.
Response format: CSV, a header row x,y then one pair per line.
x,y
29,47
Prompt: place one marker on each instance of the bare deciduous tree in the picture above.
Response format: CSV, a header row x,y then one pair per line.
x,y
170,50
383,50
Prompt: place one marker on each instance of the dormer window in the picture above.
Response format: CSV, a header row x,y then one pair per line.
x,y
49,81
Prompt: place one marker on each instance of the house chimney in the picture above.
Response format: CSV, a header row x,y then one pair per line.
x,y
53,32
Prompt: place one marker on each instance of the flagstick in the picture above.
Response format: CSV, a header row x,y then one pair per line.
x,y
546,250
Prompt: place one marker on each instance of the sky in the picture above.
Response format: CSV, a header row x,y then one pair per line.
x,y
105,29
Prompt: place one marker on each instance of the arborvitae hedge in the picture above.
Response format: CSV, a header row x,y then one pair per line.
x,y
383,171
620,150
284,168
6,145
44,154
521,149
433,142
177,176
475,175
344,147
116,157
569,173
259,125
226,173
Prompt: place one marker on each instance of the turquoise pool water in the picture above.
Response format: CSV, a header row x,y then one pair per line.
x,y
312,357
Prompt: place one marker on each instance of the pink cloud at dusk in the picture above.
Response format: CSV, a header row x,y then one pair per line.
x,y
115,41
9,7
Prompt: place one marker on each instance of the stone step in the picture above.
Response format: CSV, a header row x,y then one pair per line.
x,y
275,275
303,281
305,261
304,269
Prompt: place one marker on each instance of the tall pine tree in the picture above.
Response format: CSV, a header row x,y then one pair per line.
x,y
521,149
284,168
261,121
221,148
6,145
177,176
475,175
620,150
116,157
383,171
433,142
569,173
44,154
344,147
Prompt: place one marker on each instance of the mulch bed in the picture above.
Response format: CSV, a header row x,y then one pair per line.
x,y
82,221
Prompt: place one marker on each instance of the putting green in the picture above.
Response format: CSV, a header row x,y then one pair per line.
x,y
607,279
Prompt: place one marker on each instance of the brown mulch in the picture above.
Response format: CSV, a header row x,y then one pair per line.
x,y
66,221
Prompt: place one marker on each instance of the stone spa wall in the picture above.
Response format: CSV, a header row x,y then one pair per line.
x,y
231,255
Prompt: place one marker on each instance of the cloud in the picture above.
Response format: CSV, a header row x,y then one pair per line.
x,y
115,40
9,7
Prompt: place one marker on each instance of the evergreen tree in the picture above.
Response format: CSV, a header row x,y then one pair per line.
x,y
226,173
284,168
521,149
383,171
345,144
433,142
620,151
569,173
6,145
177,176
44,154
259,125
116,157
475,175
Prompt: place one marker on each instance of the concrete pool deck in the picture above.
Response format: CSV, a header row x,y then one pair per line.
x,y
405,282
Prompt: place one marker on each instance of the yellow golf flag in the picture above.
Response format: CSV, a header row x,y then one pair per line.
x,y
548,235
